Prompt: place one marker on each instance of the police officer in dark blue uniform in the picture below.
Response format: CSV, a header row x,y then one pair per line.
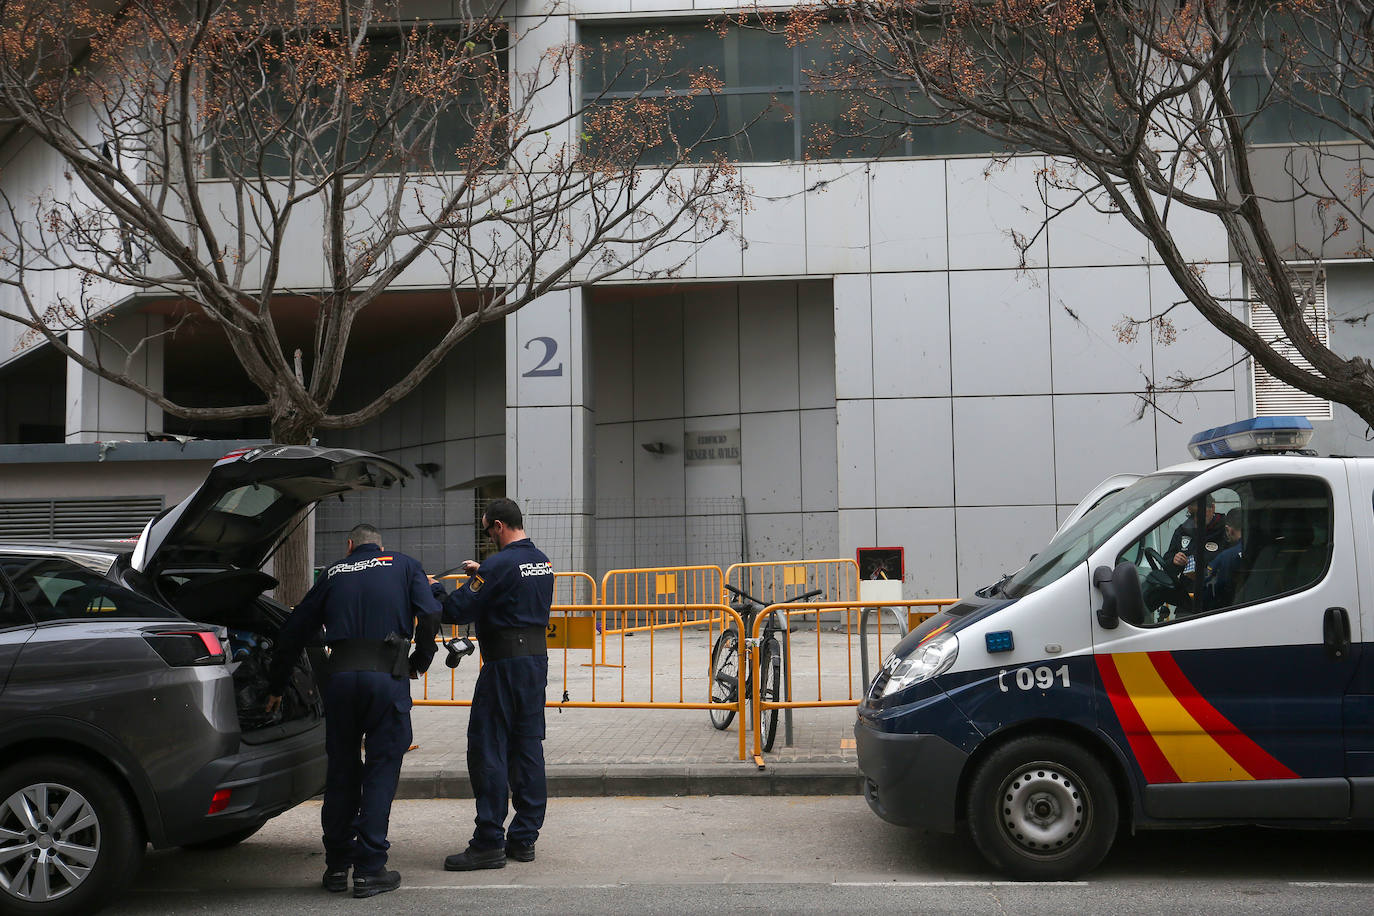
x,y
508,596
369,603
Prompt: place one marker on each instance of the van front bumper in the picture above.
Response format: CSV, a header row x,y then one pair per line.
x,y
910,780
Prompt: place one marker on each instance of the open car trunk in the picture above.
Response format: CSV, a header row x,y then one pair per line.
x,y
236,600
204,557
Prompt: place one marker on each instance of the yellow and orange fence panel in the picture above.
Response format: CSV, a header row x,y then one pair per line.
x,y
671,670
825,680
781,580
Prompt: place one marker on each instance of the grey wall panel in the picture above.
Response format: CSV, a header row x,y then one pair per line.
x,y
855,466
610,328
1003,451
774,536
816,344
1084,236
837,218
1269,170
772,464
1088,353
819,536
1096,436
768,347
987,202
1197,350
775,222
907,212
1000,332
657,356
614,461
929,538
857,527
711,351
853,337
913,448
910,343
819,454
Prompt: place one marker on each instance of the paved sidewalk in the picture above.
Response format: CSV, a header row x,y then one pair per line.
x,y
658,751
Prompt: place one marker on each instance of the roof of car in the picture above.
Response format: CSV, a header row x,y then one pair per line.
x,y
93,551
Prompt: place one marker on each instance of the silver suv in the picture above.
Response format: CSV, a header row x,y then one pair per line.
x,y
132,684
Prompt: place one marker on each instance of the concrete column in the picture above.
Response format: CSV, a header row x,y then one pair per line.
x,y
549,426
99,410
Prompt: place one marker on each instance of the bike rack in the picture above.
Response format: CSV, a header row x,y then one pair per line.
x,y
897,612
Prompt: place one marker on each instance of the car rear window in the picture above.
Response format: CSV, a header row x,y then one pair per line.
x,y
56,589
251,501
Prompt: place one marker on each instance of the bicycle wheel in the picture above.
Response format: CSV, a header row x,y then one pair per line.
x,y
770,691
724,677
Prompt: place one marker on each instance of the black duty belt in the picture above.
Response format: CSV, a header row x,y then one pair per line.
x,y
513,642
363,655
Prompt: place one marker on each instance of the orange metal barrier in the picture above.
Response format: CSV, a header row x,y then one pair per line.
x,y
688,659
627,591
778,581
815,609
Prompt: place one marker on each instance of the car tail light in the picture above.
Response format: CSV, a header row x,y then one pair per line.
x,y
219,801
180,648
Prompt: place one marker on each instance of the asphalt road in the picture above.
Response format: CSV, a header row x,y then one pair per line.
x,y
765,854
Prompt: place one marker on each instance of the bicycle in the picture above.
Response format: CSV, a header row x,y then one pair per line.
x,y
725,666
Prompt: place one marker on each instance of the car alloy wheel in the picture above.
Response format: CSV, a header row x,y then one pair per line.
x,y
49,842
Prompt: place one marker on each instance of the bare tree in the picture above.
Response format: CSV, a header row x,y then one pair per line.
x,y
201,140
1149,106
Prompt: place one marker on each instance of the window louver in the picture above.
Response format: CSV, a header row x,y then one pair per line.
x,y
1274,398
76,519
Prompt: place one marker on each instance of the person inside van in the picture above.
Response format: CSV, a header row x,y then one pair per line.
x,y
1173,586
1221,572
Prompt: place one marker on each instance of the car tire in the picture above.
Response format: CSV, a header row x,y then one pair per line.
x,y
1042,809
224,841
82,868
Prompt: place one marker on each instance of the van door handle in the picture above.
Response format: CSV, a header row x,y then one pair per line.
x,y
1336,633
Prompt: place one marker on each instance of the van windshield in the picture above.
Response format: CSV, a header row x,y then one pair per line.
x,y
1073,545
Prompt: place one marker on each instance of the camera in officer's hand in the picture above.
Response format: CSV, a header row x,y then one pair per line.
x,y
458,649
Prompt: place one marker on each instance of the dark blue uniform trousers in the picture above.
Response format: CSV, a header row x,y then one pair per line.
x,y
506,749
369,707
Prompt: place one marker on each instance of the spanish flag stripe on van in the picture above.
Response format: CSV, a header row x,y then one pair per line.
x,y
1151,759
1192,751
1163,715
1258,762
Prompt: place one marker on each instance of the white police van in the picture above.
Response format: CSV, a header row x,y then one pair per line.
x,y
1189,653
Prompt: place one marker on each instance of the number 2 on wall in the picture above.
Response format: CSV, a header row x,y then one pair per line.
x,y
550,348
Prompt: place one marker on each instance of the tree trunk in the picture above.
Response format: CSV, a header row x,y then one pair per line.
x,y
292,564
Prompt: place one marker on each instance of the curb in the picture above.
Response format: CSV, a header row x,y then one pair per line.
x,y
595,780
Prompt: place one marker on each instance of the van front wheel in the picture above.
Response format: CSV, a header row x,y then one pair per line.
x,y
1042,809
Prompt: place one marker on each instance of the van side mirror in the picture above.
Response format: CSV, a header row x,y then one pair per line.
x,y
1121,598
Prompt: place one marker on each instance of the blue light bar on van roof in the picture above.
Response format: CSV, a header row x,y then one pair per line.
x,y
1248,437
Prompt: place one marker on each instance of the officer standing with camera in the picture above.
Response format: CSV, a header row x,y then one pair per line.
x,y
369,603
508,597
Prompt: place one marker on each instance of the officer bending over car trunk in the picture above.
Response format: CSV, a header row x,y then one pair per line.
x,y
369,604
508,597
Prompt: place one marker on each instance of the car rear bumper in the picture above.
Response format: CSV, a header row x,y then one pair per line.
x,y
910,780
263,781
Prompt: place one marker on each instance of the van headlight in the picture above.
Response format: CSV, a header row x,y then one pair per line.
x,y
930,659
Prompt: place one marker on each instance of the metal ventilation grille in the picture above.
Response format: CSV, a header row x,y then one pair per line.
x,y
75,519
1274,398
